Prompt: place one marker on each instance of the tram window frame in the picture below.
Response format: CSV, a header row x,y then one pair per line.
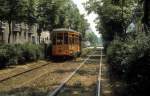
x,y
73,39
70,40
60,39
66,38
77,39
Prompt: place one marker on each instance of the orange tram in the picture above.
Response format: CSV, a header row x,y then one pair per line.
x,y
66,43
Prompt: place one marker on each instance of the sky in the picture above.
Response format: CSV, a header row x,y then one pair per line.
x,y
91,17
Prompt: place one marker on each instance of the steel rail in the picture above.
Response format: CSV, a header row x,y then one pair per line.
x,y
58,89
7,78
99,76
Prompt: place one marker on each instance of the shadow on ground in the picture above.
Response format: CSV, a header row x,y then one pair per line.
x,y
60,59
26,91
87,72
7,67
76,90
79,90
63,71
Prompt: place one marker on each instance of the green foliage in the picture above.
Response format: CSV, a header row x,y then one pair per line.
x,y
92,38
127,54
12,10
47,14
118,55
16,54
60,14
8,54
114,17
86,51
30,52
3,56
30,12
129,61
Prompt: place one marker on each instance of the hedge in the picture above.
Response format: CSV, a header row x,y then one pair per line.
x,y
11,54
129,61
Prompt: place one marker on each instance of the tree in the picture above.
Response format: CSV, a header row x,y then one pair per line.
x,y
92,38
60,14
31,12
48,13
114,16
12,10
146,12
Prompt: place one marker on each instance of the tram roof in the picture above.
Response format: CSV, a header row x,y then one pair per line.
x,y
64,29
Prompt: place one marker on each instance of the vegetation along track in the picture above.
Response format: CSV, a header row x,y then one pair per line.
x,y
85,80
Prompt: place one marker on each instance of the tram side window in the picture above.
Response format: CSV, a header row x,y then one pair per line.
x,y
59,39
73,39
65,38
70,40
77,40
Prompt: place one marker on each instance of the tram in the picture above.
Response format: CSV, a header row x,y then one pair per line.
x,y
66,42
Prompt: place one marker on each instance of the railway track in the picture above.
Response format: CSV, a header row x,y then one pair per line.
x,y
40,77
99,75
20,73
95,56
36,78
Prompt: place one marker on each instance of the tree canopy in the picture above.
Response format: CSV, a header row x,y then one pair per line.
x,y
47,14
114,16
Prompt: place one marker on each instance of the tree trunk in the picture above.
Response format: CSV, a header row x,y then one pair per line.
x,y
10,31
39,39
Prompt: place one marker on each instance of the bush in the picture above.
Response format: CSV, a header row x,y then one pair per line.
x,y
8,55
29,52
14,54
122,54
130,61
85,51
3,56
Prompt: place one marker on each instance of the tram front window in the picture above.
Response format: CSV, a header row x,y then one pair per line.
x,y
59,39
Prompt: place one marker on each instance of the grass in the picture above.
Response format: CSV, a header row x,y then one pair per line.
x,y
107,87
13,70
40,82
83,83
86,51
54,74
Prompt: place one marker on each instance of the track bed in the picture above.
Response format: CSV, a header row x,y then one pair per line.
x,y
42,79
83,83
